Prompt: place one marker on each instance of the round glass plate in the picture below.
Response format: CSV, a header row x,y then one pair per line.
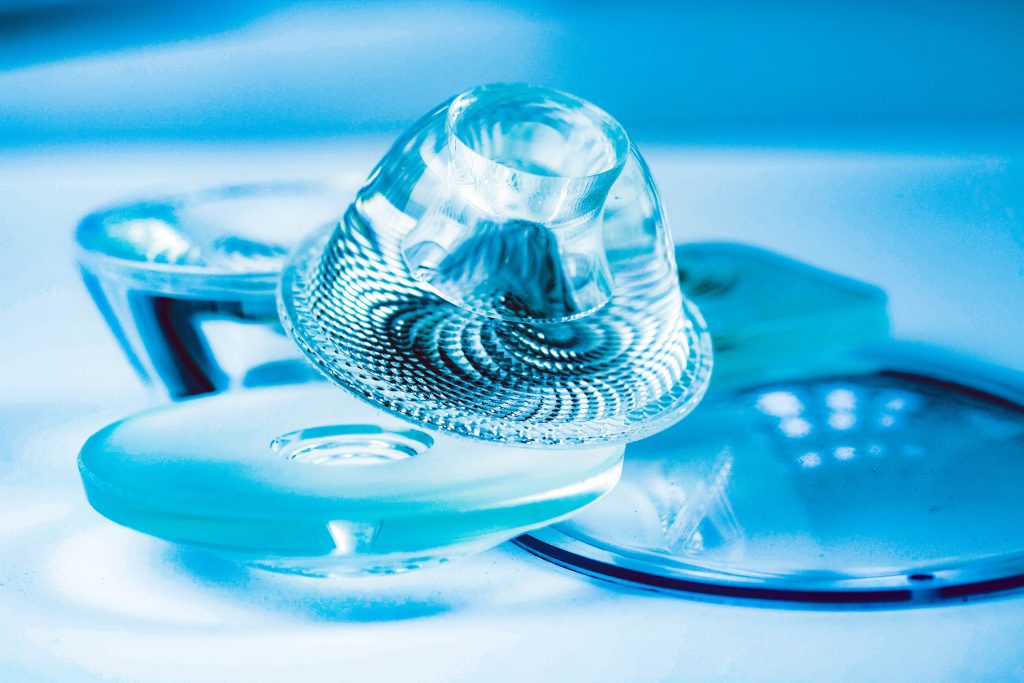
x,y
307,479
898,484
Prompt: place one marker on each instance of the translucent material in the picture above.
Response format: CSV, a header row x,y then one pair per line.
x,y
506,274
897,485
772,317
187,283
817,469
307,479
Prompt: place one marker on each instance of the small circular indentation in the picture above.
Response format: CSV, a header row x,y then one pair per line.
x,y
921,577
351,445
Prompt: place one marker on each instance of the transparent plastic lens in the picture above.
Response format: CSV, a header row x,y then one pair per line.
x,y
506,273
188,283
883,486
827,464
190,244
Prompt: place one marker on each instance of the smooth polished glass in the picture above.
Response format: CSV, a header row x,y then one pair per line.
x,y
773,317
506,273
187,283
897,485
308,479
827,464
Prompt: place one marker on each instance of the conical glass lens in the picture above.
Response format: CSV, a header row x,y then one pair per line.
x,y
506,273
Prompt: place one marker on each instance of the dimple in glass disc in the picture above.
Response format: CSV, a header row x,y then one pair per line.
x,y
900,484
307,479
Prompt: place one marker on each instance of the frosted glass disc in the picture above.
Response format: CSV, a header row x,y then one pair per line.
x,y
307,479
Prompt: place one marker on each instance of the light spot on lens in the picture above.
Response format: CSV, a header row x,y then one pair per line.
x,y
809,460
842,421
844,453
841,399
795,427
779,404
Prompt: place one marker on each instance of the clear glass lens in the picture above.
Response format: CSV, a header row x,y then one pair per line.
x,y
827,464
851,484
187,283
243,229
477,287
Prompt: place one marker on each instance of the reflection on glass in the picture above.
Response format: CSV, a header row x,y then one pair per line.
x,y
187,283
506,273
825,485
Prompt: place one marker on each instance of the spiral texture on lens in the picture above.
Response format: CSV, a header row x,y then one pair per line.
x,y
619,374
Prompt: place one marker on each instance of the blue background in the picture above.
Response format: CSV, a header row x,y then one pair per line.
x,y
724,72
878,140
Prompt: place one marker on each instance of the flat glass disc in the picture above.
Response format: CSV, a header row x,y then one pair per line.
x,y
892,485
307,479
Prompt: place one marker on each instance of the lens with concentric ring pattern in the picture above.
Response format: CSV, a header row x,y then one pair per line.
x,y
506,273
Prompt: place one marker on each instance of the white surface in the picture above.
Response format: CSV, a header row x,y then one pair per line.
x,y
82,599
